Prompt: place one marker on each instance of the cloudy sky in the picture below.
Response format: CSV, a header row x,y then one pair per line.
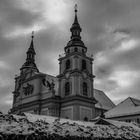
x,y
111,31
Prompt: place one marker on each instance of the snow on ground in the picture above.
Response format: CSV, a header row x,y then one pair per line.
x,y
33,118
39,124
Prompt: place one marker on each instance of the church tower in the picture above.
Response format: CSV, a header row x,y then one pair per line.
x,y
26,93
30,65
76,78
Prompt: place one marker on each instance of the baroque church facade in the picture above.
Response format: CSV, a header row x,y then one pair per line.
x,y
70,94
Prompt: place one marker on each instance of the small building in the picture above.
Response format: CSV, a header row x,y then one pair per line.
x,y
128,111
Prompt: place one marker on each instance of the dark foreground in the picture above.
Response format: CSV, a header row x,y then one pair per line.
x,y
51,137
39,127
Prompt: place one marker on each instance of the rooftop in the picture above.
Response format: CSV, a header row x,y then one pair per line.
x,y
129,106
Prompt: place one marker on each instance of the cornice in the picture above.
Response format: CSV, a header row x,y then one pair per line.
x,y
76,53
80,98
75,71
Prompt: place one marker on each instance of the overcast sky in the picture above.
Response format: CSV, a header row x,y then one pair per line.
x,y
111,32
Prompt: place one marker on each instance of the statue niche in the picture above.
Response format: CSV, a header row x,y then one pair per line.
x,y
49,85
28,89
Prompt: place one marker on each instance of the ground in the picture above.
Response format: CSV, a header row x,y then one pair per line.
x,y
38,125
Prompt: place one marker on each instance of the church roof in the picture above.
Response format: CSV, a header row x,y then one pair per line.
x,y
129,106
103,101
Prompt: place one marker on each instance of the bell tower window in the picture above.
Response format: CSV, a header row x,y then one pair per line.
x,y
67,88
68,64
85,88
68,51
76,49
84,64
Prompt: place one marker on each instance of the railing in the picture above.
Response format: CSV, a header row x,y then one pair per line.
x,y
62,55
87,54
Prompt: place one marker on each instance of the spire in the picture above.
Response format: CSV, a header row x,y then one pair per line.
x,y
76,20
75,34
31,52
75,29
30,60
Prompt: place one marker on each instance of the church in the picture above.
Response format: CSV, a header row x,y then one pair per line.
x,y
70,94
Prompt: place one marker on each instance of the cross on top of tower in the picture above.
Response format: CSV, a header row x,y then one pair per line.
x,y
32,34
76,7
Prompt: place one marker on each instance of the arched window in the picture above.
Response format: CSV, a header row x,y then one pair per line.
x,y
85,89
83,51
68,51
84,65
68,64
67,88
76,49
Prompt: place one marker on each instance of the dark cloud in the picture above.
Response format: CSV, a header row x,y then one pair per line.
x,y
12,17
